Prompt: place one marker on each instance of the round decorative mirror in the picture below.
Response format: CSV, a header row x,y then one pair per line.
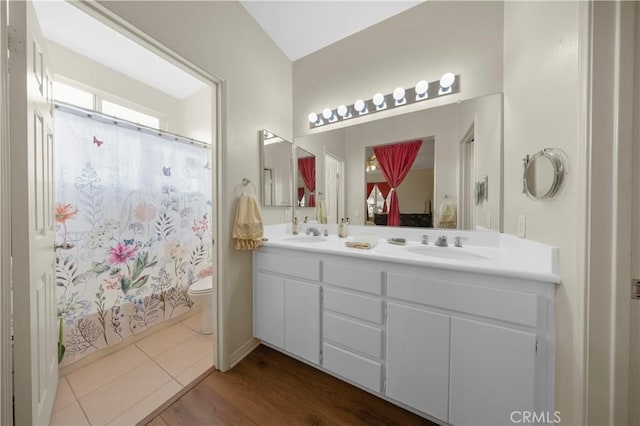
x,y
543,174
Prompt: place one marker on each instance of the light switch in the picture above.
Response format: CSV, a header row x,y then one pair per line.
x,y
356,213
287,215
522,226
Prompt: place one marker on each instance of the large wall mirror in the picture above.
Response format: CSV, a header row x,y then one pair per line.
x,y
277,170
454,181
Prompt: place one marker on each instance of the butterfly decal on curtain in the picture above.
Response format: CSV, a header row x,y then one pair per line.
x,y
97,142
166,171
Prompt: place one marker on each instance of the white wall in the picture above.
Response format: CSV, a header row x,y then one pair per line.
x,y
422,43
223,39
106,81
197,113
542,95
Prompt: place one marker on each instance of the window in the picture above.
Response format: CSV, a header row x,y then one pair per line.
x,y
72,95
375,202
129,114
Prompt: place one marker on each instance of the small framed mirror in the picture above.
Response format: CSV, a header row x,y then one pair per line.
x,y
544,174
306,179
277,170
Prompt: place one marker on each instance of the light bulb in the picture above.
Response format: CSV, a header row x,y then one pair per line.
x,y
360,106
343,111
327,113
313,117
378,100
447,80
422,87
398,94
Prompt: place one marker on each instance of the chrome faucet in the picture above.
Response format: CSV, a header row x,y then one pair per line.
x,y
314,231
458,241
441,241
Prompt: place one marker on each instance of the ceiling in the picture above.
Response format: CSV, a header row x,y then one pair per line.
x,y
297,27
68,26
302,27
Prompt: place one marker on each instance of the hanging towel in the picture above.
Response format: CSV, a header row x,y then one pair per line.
x,y
247,228
321,212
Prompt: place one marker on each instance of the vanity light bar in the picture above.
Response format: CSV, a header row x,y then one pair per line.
x,y
448,84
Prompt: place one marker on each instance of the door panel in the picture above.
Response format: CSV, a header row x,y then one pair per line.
x,y
492,373
33,226
418,358
302,319
268,295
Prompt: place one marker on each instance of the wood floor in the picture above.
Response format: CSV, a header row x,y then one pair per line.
x,y
269,388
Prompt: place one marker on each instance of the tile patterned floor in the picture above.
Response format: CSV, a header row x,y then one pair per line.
x,y
124,387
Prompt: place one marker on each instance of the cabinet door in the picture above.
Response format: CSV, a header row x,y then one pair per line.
x,y
492,373
268,308
302,319
418,358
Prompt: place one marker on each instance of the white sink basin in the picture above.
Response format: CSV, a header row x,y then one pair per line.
x,y
305,239
446,253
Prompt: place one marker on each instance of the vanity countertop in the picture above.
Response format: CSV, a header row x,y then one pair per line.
x,y
483,252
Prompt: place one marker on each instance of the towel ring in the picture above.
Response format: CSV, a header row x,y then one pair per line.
x,y
246,183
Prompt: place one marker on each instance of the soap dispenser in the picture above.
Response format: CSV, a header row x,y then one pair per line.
x,y
342,229
294,226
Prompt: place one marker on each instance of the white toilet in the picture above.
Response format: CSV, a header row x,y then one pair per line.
x,y
200,293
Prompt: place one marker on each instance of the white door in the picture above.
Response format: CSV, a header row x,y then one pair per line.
x,y
333,188
33,222
302,319
418,359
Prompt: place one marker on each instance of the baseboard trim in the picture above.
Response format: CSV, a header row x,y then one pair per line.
x,y
244,350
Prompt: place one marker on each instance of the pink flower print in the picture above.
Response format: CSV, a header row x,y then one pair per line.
x,y
205,272
176,250
113,283
122,253
200,226
145,212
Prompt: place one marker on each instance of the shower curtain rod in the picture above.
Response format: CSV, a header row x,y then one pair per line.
x,y
109,119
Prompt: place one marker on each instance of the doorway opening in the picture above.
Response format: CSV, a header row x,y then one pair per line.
x,y
334,188
135,233
467,179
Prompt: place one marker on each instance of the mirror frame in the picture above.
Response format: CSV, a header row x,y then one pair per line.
x,y
263,137
557,159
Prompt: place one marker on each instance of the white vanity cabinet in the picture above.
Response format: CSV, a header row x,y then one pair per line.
x,y
287,310
457,347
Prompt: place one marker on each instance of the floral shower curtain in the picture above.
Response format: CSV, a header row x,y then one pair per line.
x,y
138,209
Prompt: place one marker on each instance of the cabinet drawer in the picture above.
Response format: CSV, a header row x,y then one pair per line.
x,y
363,307
353,367
361,279
360,337
506,305
300,267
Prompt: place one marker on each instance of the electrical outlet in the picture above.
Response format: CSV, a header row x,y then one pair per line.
x,y
522,226
287,215
356,213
